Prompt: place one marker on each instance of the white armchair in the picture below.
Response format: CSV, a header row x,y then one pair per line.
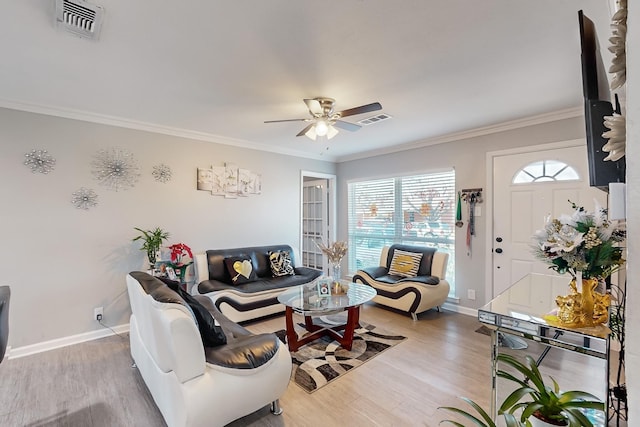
x,y
193,385
428,289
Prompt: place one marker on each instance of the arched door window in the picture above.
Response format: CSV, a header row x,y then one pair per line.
x,y
545,171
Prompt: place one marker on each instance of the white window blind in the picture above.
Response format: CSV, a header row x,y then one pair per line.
x,y
415,210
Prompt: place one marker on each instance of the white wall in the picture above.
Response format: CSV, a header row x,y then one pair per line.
x,y
61,262
468,158
633,212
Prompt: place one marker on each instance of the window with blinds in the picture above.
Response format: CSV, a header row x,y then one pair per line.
x,y
415,210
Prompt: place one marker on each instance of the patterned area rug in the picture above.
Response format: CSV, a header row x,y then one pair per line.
x,y
322,361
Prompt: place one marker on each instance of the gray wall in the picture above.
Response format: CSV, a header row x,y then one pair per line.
x,y
468,158
61,262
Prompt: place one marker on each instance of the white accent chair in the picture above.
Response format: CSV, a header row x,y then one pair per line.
x,y
187,387
414,295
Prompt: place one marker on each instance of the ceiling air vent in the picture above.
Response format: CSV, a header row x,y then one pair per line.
x,y
79,17
374,119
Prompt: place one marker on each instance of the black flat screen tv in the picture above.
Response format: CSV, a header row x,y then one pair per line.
x,y
597,105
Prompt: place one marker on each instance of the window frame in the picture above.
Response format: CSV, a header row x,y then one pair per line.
x,y
444,241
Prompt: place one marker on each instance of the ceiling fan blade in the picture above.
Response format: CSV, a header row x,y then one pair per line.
x,y
314,106
375,106
287,120
305,130
351,127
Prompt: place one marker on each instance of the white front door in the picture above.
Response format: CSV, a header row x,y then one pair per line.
x,y
520,208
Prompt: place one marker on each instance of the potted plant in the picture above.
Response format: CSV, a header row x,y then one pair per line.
x,y
546,406
542,401
152,240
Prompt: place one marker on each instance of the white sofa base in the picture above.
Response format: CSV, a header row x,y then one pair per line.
x,y
189,392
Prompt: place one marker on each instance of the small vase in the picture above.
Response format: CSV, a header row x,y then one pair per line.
x,y
583,307
334,270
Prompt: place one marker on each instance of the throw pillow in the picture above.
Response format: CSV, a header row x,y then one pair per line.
x,y
240,270
405,264
211,333
281,265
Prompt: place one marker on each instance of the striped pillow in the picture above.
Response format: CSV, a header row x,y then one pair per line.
x,y
405,264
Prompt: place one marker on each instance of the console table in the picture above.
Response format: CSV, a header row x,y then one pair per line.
x,y
518,312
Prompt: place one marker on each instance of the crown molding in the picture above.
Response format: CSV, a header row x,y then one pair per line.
x,y
152,127
567,113
207,137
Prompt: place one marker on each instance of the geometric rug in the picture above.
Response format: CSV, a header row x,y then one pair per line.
x,y
322,361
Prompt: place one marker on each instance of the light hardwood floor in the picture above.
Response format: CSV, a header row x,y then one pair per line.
x,y
92,384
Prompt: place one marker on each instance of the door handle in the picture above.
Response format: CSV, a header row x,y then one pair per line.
x,y
498,250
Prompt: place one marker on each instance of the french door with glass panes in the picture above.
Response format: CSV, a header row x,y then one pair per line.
x,y
315,225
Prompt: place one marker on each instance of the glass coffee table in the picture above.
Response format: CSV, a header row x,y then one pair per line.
x,y
307,301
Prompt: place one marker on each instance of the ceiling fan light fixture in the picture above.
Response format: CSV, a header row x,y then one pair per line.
x,y
311,133
321,128
331,132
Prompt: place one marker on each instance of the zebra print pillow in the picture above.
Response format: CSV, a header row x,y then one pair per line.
x,y
281,265
405,264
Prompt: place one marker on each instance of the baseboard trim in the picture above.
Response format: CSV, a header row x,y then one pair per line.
x,y
40,347
28,350
459,309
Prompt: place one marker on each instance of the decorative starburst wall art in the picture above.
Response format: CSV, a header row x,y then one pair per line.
x,y
116,169
162,173
84,198
40,161
618,41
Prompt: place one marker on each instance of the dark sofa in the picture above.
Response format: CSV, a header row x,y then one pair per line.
x,y
257,297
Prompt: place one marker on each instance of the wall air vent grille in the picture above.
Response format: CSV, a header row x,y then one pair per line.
x,y
374,119
79,17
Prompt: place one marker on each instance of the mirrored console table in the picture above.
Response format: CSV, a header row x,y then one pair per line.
x,y
518,312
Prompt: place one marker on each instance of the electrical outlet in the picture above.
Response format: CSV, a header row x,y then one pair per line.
x,y
98,313
471,294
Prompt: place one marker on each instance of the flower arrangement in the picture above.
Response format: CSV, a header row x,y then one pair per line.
x,y
334,251
584,242
178,251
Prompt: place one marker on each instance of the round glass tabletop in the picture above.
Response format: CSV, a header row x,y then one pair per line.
x,y
322,297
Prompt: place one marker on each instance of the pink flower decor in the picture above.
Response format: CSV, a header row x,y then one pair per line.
x,y
178,251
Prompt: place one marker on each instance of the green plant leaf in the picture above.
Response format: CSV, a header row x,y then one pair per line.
x,y
488,422
514,398
508,376
528,373
512,421
530,409
579,397
467,415
577,418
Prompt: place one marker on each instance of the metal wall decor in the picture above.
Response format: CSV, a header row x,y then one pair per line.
x,y
162,173
84,198
40,161
116,169
229,181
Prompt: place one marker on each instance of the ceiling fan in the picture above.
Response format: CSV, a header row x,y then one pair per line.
x,y
324,120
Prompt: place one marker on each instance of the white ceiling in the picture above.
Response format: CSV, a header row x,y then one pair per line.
x,y
216,70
